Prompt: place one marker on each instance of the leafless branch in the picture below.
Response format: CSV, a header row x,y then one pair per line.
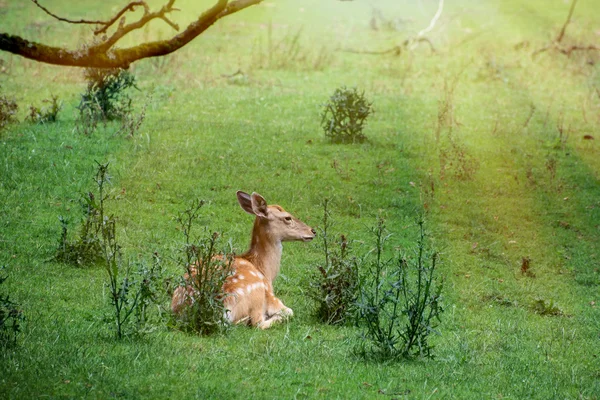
x,y
81,21
129,7
556,44
103,54
433,20
410,43
564,27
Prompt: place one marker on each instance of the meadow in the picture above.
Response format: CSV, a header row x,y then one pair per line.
x,y
497,146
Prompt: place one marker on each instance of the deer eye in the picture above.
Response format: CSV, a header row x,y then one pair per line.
x,y
288,219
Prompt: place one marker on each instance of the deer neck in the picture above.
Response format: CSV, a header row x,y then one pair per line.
x,y
265,250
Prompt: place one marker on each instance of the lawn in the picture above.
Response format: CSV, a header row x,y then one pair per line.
x,y
491,143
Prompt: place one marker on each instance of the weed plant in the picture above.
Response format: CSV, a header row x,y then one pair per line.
x,y
11,317
205,274
344,116
8,111
399,305
46,114
85,250
105,99
335,287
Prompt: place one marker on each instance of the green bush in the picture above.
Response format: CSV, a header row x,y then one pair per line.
x,y
335,287
206,272
399,305
106,97
11,318
344,116
45,114
8,111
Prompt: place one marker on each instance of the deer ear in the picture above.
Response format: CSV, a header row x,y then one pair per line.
x,y
245,201
259,205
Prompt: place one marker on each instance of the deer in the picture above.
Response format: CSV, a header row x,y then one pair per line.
x,y
248,294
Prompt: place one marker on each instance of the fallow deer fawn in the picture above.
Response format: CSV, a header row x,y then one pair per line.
x,y
248,291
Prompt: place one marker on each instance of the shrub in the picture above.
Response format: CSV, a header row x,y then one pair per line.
x,y
85,250
133,286
335,287
206,273
344,116
106,97
45,114
8,111
11,318
399,304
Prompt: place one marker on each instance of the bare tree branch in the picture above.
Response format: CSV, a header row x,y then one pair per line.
x,y
433,20
556,45
410,43
564,27
129,7
104,55
81,21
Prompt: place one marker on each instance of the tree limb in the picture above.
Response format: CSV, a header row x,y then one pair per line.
x,y
81,21
103,55
564,27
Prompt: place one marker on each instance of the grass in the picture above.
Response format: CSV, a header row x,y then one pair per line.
x,y
207,136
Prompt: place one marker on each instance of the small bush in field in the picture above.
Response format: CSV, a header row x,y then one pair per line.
x,y
85,250
344,116
49,113
399,305
335,287
205,274
106,96
11,318
8,111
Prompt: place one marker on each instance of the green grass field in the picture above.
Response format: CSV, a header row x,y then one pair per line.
x,y
504,174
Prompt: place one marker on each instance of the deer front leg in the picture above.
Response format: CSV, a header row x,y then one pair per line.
x,y
276,308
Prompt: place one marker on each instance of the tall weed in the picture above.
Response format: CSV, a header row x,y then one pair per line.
x,y
205,273
399,305
335,287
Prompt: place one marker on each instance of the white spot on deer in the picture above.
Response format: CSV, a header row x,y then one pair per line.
x,y
253,287
240,277
233,280
239,291
257,274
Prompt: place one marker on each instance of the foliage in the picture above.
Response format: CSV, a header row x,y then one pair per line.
x,y
335,287
11,317
206,272
400,302
106,97
344,116
85,250
8,110
45,114
546,308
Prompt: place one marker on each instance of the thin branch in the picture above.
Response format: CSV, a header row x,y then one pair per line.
x,y
104,56
70,21
397,50
236,6
433,20
564,28
129,7
568,50
123,29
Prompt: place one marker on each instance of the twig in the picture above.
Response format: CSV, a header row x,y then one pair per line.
x,y
130,7
123,29
397,50
531,112
81,21
433,20
564,28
